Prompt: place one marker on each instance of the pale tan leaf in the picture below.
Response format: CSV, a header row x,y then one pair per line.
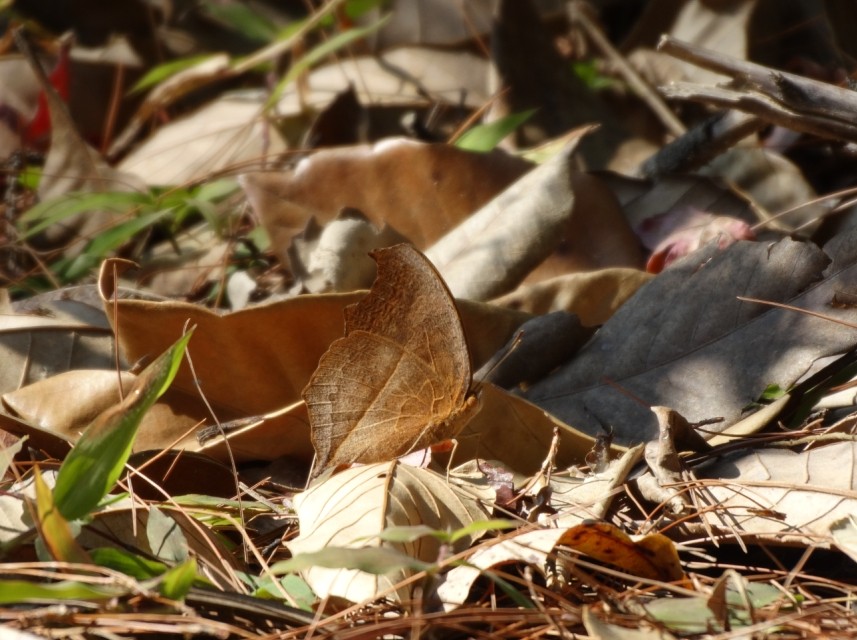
x,y
226,133
844,532
526,220
588,498
782,495
403,77
352,508
545,218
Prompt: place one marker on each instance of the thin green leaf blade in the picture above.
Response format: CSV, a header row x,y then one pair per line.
x,y
320,52
18,591
158,74
92,468
50,212
485,137
176,582
374,560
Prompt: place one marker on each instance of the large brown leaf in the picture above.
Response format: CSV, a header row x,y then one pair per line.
x,y
421,190
257,361
686,341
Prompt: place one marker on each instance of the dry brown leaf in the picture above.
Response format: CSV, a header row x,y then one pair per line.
x,y
51,334
596,236
55,411
593,296
352,508
653,557
518,433
256,361
421,190
67,402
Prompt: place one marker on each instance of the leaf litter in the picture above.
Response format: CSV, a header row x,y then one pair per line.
x,y
636,447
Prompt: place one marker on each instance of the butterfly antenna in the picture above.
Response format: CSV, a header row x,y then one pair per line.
x,y
487,370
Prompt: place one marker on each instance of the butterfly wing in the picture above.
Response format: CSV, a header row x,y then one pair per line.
x,y
369,400
410,304
398,381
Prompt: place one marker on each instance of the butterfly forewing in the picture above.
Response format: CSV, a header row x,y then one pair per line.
x,y
399,379
410,304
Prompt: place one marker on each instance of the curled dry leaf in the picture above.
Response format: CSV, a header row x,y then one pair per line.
x,y
554,216
653,557
352,508
336,257
526,220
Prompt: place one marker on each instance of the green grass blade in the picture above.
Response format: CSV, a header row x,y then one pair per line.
x,y
484,137
320,52
92,468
